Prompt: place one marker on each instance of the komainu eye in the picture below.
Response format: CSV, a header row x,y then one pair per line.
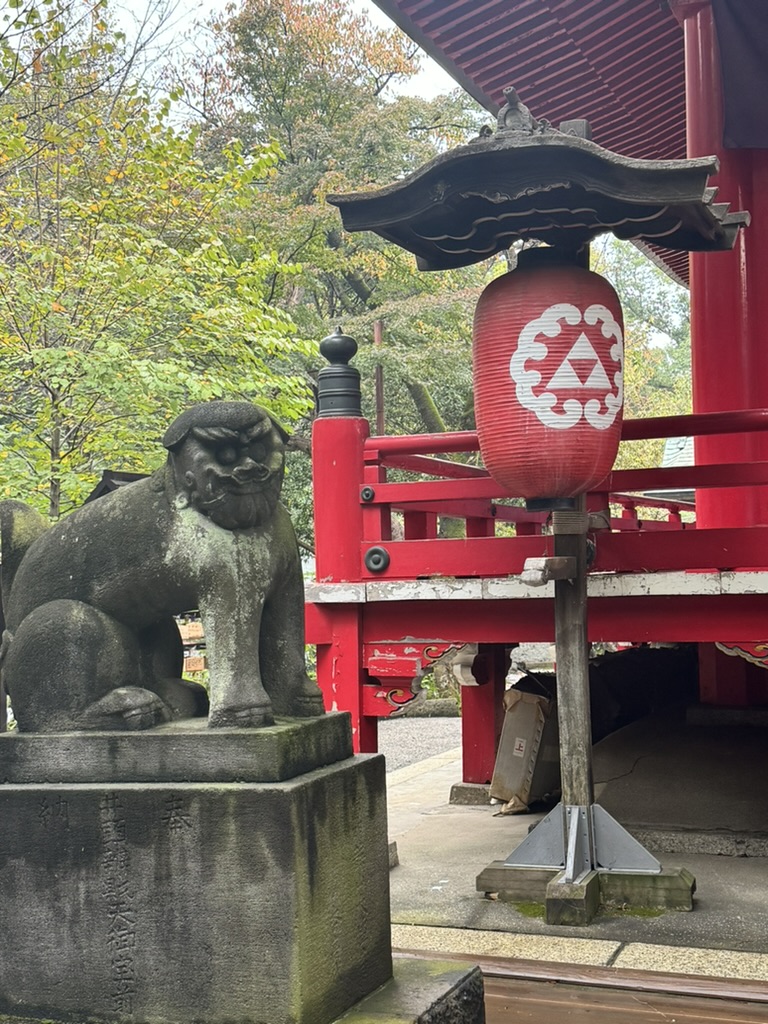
x,y
227,455
257,451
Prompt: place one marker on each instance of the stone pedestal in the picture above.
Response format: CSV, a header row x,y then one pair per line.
x,y
576,903
250,885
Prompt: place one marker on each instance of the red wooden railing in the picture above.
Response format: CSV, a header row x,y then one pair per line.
x,y
464,491
379,503
356,497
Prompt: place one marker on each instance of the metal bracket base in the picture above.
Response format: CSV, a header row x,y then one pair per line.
x,y
579,840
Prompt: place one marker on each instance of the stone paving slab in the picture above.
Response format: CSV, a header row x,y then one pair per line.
x,y
594,952
641,956
720,963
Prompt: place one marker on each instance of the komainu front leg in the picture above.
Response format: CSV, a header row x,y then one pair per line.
x,y
308,700
237,696
283,665
241,718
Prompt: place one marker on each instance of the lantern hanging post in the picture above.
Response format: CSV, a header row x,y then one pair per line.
x,y
577,841
572,652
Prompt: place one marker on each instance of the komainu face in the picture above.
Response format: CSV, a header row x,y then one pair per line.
x,y
232,475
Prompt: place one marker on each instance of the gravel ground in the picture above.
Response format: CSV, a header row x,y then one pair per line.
x,y
404,741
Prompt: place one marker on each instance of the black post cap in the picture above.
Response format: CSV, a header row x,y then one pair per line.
x,y
338,385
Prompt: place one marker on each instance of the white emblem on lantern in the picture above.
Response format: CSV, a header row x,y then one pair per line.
x,y
581,356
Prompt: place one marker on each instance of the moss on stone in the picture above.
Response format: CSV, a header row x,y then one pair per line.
x,y
624,910
530,909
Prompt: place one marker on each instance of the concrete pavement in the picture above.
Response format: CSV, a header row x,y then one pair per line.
x,y
442,847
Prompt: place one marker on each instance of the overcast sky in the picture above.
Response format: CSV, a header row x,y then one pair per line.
x,y
432,79
428,83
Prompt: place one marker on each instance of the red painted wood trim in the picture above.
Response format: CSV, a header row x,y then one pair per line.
x,y
631,551
676,619
723,475
728,422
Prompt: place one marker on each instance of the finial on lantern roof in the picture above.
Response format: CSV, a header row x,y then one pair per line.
x,y
514,116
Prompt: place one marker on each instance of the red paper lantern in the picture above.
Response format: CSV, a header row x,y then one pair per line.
x,y
548,368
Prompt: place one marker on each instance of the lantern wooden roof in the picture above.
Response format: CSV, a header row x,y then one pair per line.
x,y
529,181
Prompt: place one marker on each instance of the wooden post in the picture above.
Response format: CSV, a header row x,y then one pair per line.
x,y
570,541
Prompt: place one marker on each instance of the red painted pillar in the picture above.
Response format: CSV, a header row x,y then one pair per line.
x,y
729,298
338,438
482,710
337,473
722,675
729,310
482,713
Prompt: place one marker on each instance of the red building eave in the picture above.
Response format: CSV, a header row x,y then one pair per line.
x,y
618,64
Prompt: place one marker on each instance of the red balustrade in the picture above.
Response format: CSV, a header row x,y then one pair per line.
x,y
386,511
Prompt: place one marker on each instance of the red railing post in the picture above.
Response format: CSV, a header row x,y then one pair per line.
x,y
337,473
338,436
480,527
376,519
419,526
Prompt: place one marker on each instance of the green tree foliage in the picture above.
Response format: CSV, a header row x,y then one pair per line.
x,y
317,77
657,371
128,287
31,32
426,357
314,76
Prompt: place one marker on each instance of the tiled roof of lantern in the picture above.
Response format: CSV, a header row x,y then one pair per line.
x,y
531,182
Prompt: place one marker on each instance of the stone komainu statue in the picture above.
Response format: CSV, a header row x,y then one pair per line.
x,y
90,639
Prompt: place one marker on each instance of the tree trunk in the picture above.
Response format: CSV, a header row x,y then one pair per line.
x,y
425,405
54,485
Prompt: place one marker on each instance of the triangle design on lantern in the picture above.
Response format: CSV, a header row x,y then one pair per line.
x,y
581,362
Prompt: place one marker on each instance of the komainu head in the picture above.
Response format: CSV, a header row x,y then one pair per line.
x,y
227,461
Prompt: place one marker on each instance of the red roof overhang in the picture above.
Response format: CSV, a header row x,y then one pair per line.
x,y
617,63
